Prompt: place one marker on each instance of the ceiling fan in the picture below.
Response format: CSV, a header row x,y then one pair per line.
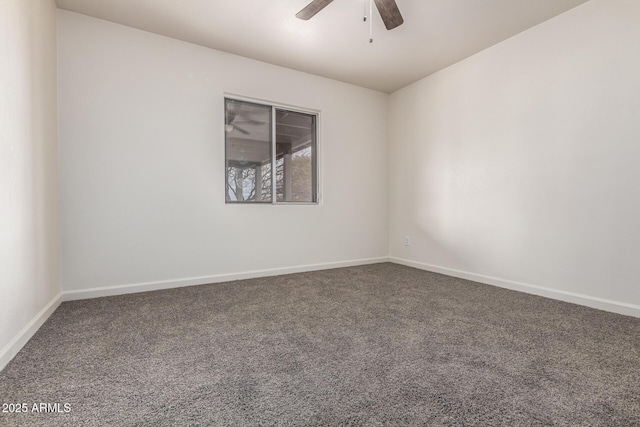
x,y
388,11
230,125
233,118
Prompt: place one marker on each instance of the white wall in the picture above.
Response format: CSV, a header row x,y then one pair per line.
x,y
29,217
519,166
142,164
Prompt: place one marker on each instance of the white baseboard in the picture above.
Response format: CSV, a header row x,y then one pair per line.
x,y
586,300
15,345
73,295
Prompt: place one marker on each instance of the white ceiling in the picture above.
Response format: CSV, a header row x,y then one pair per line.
x,y
335,43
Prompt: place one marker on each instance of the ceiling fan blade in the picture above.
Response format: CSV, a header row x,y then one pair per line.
x,y
390,13
243,119
312,8
241,130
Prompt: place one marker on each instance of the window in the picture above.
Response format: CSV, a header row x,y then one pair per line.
x,y
270,154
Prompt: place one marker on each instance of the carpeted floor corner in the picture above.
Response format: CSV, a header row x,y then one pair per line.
x,y
373,345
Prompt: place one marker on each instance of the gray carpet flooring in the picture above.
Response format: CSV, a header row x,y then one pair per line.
x,y
373,345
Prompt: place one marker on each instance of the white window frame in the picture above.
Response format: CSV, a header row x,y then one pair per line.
x,y
274,106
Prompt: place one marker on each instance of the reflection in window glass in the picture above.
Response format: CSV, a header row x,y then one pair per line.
x,y
248,151
256,166
295,156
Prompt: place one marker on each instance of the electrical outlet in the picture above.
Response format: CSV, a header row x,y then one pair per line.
x,y
407,241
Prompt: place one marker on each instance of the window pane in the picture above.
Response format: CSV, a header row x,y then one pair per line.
x,y
295,156
248,151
